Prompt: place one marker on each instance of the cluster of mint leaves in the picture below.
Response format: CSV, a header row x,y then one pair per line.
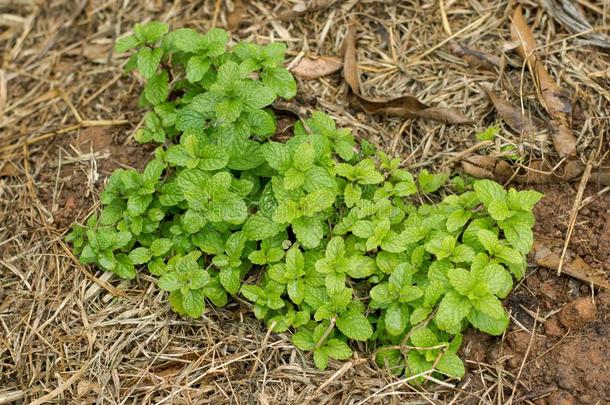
x,y
326,239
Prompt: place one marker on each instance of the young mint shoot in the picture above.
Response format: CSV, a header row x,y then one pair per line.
x,y
325,238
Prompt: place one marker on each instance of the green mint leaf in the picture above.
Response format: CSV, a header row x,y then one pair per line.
x,y
185,40
338,349
457,219
137,204
212,157
193,303
451,311
196,68
228,110
296,291
170,282
309,231
281,81
148,61
451,365
230,280
352,194
489,240
489,134
424,338
124,267
140,255
256,95
419,314
320,358
429,183
441,246
498,281
360,266
302,339
518,231
159,247
262,122
150,32
490,305
396,319
488,191
355,326
523,200
157,88
126,43
498,209
487,324
381,293
259,227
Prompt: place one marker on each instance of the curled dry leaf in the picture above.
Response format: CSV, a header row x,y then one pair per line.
x,y
304,7
556,103
547,253
236,16
513,116
313,68
405,106
475,58
8,169
537,171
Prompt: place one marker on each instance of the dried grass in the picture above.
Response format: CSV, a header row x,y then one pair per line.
x,y
72,334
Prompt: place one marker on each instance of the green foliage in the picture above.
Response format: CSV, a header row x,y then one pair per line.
x,y
322,239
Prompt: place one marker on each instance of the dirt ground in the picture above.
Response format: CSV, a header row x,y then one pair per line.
x,y
71,334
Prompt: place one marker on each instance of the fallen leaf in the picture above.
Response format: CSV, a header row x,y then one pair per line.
x,y
556,103
8,169
313,68
546,255
236,16
513,116
304,7
536,172
474,58
405,106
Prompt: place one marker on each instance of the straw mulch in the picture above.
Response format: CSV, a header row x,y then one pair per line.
x,y
70,334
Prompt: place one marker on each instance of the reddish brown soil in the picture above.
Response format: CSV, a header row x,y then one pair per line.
x,y
566,362
75,192
591,235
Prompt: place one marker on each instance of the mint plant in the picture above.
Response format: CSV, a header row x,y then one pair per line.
x,y
325,237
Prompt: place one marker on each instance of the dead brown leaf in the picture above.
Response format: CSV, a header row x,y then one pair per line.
x,y
313,68
236,16
8,169
536,172
405,106
556,103
304,7
475,58
546,255
513,116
